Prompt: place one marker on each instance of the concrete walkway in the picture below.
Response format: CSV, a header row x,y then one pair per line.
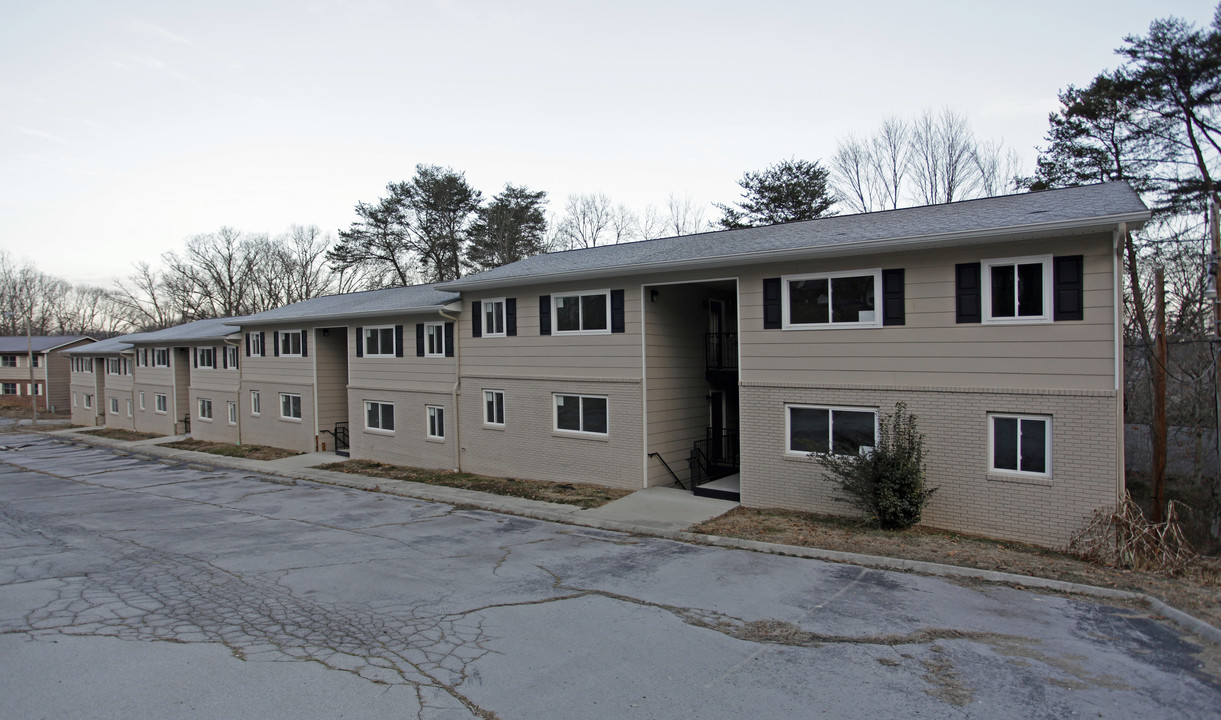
x,y
660,512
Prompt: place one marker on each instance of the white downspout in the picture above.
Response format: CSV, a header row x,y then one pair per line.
x,y
456,391
1119,239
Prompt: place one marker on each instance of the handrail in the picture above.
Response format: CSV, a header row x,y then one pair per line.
x,y
667,466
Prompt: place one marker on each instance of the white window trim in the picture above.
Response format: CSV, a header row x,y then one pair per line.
x,y
142,407
1047,440
256,403
256,344
379,430
291,418
440,330
788,425
985,272
199,351
555,415
156,361
200,402
555,325
231,356
488,305
283,335
875,273
74,399
377,328
161,399
492,423
112,405
231,410
429,412
128,407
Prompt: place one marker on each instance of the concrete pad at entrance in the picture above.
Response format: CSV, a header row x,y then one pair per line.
x,y
307,460
660,508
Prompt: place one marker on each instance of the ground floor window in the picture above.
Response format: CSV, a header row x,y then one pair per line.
x,y
256,405
290,406
8,388
205,409
114,406
830,430
160,403
581,413
129,408
1020,444
494,407
87,400
141,401
379,415
232,407
74,400
436,422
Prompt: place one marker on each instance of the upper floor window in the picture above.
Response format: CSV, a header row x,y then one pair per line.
x,y
292,343
1017,289
587,312
231,357
494,318
161,357
379,342
113,366
837,299
205,357
34,359
254,344
8,361
434,339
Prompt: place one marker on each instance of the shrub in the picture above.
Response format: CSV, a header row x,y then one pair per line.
x,y
886,484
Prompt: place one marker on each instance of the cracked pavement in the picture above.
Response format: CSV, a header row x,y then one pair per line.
x,y
132,588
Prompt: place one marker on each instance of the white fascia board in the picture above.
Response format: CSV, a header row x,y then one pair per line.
x,y
315,319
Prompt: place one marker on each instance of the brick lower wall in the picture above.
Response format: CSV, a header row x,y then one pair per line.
x,y
969,499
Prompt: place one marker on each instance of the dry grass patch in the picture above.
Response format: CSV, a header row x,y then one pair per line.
x,y
121,434
586,496
253,452
1197,590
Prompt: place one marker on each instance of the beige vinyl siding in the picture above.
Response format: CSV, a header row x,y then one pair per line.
x,y
54,372
931,349
278,369
611,355
421,374
330,356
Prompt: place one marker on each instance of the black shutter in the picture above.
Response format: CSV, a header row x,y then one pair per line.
x,y
263,344
893,297
968,293
398,341
771,304
544,314
224,356
419,339
476,319
1069,287
617,311
275,341
304,349
247,344
360,341
449,339
194,357
510,316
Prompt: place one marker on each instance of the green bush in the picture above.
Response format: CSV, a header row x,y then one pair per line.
x,y
886,484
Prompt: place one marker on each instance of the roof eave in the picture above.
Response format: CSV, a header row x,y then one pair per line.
x,y
1077,227
346,316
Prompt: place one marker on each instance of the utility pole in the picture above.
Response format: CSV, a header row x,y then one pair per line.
x,y
29,349
1159,396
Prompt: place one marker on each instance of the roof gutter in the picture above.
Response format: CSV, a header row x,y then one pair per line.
x,y
253,320
1079,226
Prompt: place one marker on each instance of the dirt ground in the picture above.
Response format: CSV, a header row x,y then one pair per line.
x,y
586,496
1197,591
254,452
120,434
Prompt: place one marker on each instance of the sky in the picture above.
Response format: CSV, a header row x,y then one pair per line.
x,y
126,127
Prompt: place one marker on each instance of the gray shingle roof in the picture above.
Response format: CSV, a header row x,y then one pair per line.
x,y
110,346
40,343
413,298
200,330
1066,210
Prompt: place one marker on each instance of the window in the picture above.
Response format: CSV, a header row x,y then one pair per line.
x,y
290,406
141,357
74,400
205,409
232,406
290,343
830,430
379,415
114,406
205,357
35,359
581,414
36,388
256,404
160,404
379,342
494,407
254,341
1020,444
141,401
112,366
127,366
436,422
839,299
87,400
581,313
161,357
129,407
231,357
8,388
1017,290
434,339
494,318
8,361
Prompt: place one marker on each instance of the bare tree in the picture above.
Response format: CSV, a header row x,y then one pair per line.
x,y
218,275
855,175
299,256
650,224
943,167
685,216
144,302
891,154
999,168
623,225
586,223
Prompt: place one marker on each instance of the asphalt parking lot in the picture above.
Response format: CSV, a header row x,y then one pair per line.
x,y
136,589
